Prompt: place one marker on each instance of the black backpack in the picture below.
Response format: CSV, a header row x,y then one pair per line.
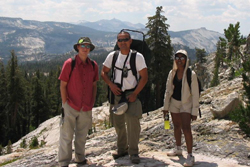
x,y
189,80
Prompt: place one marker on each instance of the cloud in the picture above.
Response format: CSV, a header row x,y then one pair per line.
x,y
216,15
181,14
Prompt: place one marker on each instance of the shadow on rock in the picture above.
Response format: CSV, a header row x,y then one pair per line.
x,y
182,160
145,162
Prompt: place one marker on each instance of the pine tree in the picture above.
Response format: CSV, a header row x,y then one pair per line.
x,y
215,81
26,118
14,98
246,73
221,51
49,93
40,111
233,42
160,44
3,115
57,90
200,55
242,115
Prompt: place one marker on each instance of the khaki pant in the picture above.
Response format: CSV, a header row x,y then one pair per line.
x,y
78,123
128,127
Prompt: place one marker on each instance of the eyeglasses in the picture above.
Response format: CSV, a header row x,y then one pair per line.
x,y
123,40
85,46
179,58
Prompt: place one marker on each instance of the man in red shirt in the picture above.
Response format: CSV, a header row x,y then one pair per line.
x,y
78,92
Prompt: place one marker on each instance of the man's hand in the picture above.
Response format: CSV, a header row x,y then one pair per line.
x,y
115,89
132,97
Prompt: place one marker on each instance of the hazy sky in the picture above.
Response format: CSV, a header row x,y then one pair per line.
x,y
214,15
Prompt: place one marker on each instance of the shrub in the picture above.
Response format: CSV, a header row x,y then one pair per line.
x,y
231,74
90,131
1,149
34,143
241,115
8,162
42,143
23,144
239,72
9,147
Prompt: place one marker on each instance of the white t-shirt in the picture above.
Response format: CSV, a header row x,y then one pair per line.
x,y
130,81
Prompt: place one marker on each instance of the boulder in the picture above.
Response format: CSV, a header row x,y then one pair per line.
x,y
222,106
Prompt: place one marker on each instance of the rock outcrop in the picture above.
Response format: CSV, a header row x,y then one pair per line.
x,y
217,142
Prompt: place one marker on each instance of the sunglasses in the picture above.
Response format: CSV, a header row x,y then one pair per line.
x,y
85,46
123,40
179,58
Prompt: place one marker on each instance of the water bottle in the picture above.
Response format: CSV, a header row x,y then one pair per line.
x,y
166,121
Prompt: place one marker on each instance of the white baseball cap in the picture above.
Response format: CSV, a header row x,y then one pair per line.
x,y
181,51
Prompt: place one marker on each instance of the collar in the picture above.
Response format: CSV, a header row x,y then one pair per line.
x,y
130,51
79,61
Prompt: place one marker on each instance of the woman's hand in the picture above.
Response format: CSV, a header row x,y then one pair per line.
x,y
164,113
193,118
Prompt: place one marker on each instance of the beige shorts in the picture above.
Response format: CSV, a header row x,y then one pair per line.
x,y
177,107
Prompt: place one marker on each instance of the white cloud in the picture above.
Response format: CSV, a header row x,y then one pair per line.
x,y
181,14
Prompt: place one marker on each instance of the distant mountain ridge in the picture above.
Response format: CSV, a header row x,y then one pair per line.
x,y
197,38
113,25
35,40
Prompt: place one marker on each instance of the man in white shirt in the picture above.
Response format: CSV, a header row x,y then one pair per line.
x,y
124,82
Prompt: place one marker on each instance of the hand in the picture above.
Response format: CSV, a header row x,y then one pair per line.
x,y
115,89
164,113
132,97
193,118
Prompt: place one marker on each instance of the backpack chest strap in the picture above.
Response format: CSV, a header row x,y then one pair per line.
x,y
132,64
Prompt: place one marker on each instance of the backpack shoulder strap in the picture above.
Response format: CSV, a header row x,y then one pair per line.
x,y
133,64
189,78
73,63
110,94
93,63
115,56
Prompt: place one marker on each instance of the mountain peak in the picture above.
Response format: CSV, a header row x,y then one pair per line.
x,y
114,19
204,28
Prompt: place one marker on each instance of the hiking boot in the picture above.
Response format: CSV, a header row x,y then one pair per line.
x,y
175,152
118,155
189,161
135,159
84,162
